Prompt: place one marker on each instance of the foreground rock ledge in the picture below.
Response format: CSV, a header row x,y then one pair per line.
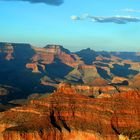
x,y
67,115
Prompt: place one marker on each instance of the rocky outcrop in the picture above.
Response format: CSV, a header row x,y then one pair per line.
x,y
84,73
135,82
120,81
32,66
35,67
67,115
3,91
8,51
96,91
43,55
48,54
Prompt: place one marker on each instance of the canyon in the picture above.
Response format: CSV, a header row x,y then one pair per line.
x,y
51,93
68,115
30,69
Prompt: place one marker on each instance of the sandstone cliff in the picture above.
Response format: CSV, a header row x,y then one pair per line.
x,y
67,115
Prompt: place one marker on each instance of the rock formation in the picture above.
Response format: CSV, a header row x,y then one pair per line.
x,y
39,70
68,115
8,50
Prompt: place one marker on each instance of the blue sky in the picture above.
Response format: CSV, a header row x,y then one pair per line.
x,y
41,24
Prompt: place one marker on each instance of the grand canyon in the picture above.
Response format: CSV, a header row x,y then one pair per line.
x,y
51,93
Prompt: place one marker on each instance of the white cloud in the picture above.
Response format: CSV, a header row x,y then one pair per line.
x,y
130,10
110,19
84,16
75,18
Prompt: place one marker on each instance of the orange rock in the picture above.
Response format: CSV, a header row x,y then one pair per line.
x,y
66,115
32,66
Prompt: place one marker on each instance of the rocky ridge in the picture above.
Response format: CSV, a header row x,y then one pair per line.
x,y
33,70
68,115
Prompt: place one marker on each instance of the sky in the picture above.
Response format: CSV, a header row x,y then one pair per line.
x,y
110,25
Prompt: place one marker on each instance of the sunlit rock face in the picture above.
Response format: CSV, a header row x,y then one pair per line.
x,y
51,53
135,81
68,115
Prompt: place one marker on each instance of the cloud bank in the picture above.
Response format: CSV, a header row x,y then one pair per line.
x,y
50,2
130,10
112,19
